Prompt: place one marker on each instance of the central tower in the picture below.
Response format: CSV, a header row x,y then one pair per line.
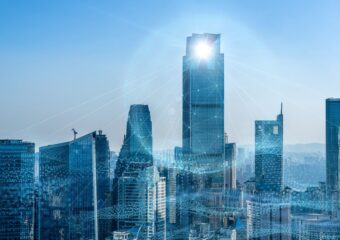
x,y
203,124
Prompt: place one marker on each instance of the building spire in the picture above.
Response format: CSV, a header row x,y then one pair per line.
x,y
281,108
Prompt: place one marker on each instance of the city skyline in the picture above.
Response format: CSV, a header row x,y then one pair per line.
x,y
263,60
80,189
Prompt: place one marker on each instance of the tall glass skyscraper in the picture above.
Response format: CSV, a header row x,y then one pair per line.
x,y
75,189
268,154
139,192
136,151
54,198
332,144
16,189
203,122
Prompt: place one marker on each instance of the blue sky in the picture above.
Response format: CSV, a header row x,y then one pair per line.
x,y
80,64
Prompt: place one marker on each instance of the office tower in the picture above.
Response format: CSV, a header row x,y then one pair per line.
x,y
164,161
230,168
268,217
182,197
75,187
136,151
170,173
54,181
203,125
142,203
332,144
16,189
268,154
139,191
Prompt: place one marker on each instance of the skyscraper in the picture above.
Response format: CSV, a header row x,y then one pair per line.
x,y
230,171
136,151
332,144
139,191
268,154
54,181
142,203
268,217
16,189
75,189
203,123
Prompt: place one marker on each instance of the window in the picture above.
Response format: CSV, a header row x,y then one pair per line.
x,y
275,130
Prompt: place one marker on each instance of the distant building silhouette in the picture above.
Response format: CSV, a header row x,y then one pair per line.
x,y
333,154
332,144
268,154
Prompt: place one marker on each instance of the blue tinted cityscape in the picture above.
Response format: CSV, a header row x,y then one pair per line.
x,y
204,187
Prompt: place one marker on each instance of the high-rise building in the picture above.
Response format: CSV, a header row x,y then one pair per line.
x,y
268,154
142,203
54,182
332,144
169,173
230,166
268,217
75,189
136,151
16,189
203,126
139,191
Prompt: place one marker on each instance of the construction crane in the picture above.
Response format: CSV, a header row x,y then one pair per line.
x,y
74,133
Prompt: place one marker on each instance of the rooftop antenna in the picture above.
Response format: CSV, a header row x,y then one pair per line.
x,y
281,107
74,133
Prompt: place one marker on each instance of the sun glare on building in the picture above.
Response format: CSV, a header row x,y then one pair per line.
x,y
203,50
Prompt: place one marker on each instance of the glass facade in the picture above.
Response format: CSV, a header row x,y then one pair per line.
x,y
136,151
203,126
332,144
16,189
268,154
139,192
142,203
75,190
54,199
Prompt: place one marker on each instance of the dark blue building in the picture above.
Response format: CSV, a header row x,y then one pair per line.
x,y
16,189
332,144
268,154
75,189
54,191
